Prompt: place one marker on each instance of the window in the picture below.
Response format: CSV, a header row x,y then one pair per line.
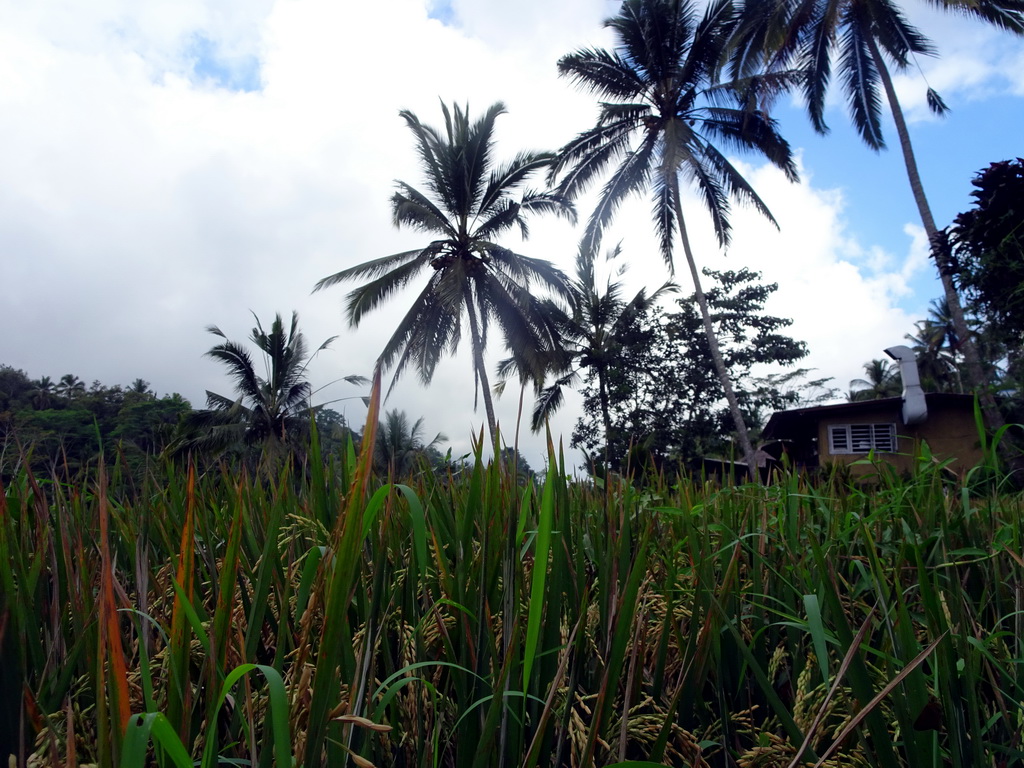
x,y
861,438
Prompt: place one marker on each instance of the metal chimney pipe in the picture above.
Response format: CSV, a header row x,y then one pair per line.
x,y
915,409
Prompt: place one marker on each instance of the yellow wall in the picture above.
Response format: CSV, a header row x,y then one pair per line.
x,y
949,432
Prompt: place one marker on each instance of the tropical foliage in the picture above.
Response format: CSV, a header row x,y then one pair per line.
x,y
591,333
270,411
66,429
664,119
470,201
400,448
881,379
867,38
477,621
665,401
988,242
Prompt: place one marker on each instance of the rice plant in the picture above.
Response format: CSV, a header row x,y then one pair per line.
x,y
332,617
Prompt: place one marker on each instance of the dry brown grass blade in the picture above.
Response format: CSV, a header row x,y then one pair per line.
x,y
549,704
363,722
71,754
856,720
840,674
110,630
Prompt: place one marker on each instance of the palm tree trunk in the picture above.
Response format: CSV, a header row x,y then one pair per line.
x,y
939,248
481,370
606,418
709,330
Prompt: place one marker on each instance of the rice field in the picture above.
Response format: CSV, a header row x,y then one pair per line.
x,y
327,617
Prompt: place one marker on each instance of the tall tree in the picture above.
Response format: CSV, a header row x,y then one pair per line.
x,y
268,411
665,398
590,330
988,243
664,113
43,392
867,38
936,344
400,444
470,201
881,379
70,386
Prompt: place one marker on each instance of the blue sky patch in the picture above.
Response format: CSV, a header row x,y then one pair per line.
x,y
233,73
442,11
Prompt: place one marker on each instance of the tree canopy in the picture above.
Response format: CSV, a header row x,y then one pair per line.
x,y
470,201
988,243
665,399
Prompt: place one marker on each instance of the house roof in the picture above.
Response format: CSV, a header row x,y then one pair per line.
x,y
801,423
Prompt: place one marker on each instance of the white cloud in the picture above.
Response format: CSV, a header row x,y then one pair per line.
x,y
141,202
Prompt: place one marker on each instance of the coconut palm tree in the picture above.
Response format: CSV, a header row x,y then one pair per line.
x,y
43,392
470,200
881,379
269,411
70,387
937,346
400,444
867,39
664,118
590,332
141,387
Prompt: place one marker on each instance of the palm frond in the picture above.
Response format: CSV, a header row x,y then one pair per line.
x,y
548,401
369,296
935,103
602,73
411,208
428,141
663,213
818,61
506,178
860,81
1005,14
587,156
751,130
373,268
239,364
630,177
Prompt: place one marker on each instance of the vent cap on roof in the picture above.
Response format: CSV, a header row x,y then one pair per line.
x,y
915,409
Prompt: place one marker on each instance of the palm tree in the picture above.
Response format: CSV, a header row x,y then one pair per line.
x,y
43,392
70,386
141,387
867,37
663,108
936,346
270,411
469,202
400,444
881,379
590,332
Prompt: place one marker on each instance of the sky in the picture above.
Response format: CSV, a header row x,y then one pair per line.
x,y
175,164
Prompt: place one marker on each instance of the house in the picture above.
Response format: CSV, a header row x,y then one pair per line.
x,y
892,428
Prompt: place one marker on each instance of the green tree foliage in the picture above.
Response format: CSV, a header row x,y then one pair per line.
x,y
867,38
988,242
270,413
15,388
334,432
664,118
43,393
881,379
665,398
61,429
590,331
470,201
936,345
400,445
